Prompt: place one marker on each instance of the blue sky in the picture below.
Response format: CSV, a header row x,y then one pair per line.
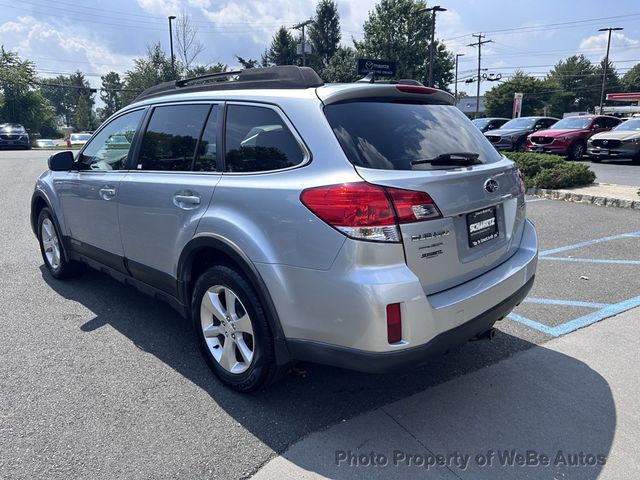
x,y
98,36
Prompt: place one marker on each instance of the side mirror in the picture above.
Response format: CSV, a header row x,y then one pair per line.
x,y
538,126
61,162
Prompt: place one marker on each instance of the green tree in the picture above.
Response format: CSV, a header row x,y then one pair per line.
x,y
200,70
58,92
20,99
341,67
324,33
83,115
282,50
631,80
612,84
572,85
499,100
147,71
398,30
246,62
110,94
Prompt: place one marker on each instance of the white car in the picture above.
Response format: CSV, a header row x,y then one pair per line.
x,y
79,138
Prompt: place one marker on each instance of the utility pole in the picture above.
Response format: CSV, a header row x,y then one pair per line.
x,y
455,85
478,44
173,58
301,26
433,10
606,62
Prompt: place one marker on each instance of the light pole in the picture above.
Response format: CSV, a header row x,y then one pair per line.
x,y
433,10
606,62
173,58
455,85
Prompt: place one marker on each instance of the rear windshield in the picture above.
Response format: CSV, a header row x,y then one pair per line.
x,y
390,136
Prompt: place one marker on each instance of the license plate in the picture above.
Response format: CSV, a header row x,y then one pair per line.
x,y
602,151
539,149
482,226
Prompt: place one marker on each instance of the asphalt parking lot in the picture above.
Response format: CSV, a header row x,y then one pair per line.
x,y
99,381
616,171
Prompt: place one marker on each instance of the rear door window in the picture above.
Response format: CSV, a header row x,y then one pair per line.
x,y
258,140
169,143
390,136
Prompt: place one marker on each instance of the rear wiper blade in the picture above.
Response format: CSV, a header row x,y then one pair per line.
x,y
453,158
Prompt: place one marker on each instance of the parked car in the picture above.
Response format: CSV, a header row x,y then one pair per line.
x,y
512,136
486,124
77,139
288,229
569,136
14,135
45,142
621,142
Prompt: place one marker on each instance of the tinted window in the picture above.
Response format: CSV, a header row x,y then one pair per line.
x,y
391,135
611,122
109,149
206,160
629,125
570,123
171,137
258,140
520,123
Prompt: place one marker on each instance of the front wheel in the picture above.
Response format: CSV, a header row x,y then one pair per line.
x,y
232,329
52,249
577,151
520,146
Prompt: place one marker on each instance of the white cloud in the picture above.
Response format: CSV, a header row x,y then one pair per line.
x,y
54,49
599,41
161,7
258,19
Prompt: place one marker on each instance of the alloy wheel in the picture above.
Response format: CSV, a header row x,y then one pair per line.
x,y
50,243
227,329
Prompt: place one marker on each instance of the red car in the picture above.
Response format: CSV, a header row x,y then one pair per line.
x,y
569,136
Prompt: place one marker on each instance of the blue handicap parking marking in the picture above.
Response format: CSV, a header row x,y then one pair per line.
x,y
602,310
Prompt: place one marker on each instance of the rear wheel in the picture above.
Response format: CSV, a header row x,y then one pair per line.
x,y
576,152
52,249
232,329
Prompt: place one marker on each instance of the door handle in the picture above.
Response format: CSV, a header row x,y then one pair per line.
x,y
190,199
107,192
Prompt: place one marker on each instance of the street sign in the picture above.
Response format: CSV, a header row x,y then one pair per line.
x,y
517,105
385,68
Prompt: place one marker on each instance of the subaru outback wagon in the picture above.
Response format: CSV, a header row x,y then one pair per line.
x,y
365,226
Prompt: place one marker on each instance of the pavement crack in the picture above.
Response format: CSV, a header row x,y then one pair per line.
x,y
417,440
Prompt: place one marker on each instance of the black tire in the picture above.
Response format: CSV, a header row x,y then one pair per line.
x,y
636,159
65,268
520,145
576,152
262,370
596,159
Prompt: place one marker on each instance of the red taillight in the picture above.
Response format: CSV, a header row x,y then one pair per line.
x,y
394,323
369,212
416,89
412,206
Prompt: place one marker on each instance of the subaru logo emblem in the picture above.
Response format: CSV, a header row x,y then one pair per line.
x,y
491,185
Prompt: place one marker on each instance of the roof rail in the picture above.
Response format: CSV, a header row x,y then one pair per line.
x,y
282,76
371,78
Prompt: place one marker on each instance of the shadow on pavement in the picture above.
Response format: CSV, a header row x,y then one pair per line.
x,y
313,397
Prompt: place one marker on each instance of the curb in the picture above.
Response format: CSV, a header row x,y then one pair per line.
x,y
583,198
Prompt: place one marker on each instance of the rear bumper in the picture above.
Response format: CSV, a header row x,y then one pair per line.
x,y
375,362
338,317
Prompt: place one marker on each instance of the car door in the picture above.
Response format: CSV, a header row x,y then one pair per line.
x,y
162,199
89,194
